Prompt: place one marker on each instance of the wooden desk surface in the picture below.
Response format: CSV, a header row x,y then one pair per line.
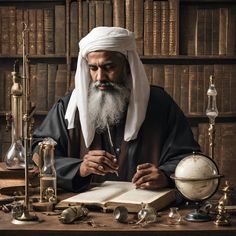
x,y
107,225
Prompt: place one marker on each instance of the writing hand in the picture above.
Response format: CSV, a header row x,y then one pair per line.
x,y
148,176
98,162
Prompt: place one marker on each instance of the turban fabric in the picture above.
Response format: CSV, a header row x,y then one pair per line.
x,y
109,39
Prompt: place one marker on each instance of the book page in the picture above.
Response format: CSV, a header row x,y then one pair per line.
x,y
102,193
138,196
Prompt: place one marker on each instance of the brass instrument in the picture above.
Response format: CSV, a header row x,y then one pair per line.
x,y
21,120
212,113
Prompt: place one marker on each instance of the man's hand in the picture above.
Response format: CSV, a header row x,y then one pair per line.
x,y
148,176
98,162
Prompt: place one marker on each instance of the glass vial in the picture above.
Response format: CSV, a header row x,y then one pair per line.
x,y
48,176
174,217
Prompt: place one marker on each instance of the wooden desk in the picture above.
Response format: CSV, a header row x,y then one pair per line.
x,y
108,226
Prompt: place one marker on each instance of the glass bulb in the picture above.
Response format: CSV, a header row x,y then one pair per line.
x,y
211,111
15,157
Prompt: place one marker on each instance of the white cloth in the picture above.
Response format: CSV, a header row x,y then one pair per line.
x,y
109,39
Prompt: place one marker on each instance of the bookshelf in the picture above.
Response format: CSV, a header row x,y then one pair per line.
x,y
180,42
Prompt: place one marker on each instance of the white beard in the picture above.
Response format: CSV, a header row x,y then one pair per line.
x,y
107,107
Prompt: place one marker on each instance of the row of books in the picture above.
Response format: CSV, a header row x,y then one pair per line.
x,y
48,82
45,32
208,31
188,85
153,22
204,31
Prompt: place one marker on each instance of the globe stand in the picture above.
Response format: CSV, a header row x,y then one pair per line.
x,y
197,215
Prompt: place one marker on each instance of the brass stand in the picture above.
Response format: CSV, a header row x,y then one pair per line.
x,y
26,217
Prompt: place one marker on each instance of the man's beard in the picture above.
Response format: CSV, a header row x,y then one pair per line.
x,y
107,107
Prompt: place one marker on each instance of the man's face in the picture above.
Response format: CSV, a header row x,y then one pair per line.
x,y
107,66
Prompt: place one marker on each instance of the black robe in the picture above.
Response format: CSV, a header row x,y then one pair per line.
x,y
163,139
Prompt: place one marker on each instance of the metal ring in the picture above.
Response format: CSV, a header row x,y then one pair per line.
x,y
121,214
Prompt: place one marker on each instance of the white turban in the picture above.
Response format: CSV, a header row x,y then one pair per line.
x,y
109,39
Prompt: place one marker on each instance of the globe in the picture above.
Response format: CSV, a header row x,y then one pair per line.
x,y
197,178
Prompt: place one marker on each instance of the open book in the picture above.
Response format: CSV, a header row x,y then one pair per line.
x,y
111,194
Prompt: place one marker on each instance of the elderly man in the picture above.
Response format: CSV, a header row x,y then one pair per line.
x,y
113,126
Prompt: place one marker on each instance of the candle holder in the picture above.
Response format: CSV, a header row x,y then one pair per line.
x,y
212,113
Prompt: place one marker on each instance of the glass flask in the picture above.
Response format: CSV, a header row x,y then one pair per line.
x,y
174,217
48,176
15,156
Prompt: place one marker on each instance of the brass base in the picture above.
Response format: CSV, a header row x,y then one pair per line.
x,y
25,218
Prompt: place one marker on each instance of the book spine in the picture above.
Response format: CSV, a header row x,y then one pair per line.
x,y
192,90
158,75
201,107
49,30
119,13
164,28
40,42
60,29
92,16
173,27
19,29
200,32
148,71
233,89
72,81
73,28
42,95
215,31
85,16
99,13
156,28
80,19
138,25
226,86
223,20
208,40
169,79
226,158
187,33
12,30
148,27
32,32
107,13
5,33
231,32
60,82
184,88
52,72
129,15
